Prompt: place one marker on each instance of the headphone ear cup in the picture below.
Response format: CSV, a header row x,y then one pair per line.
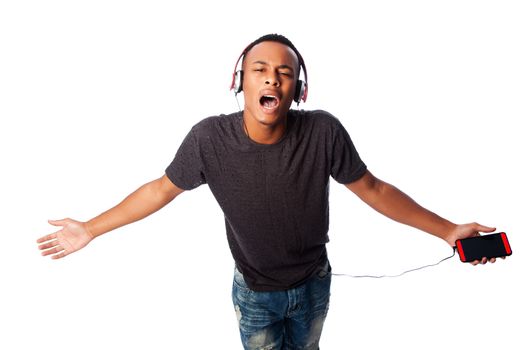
x,y
237,81
300,88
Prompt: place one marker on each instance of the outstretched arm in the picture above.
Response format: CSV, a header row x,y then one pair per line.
x,y
393,203
75,235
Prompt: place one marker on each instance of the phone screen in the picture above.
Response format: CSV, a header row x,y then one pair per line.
x,y
490,246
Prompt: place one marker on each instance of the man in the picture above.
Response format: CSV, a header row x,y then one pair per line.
x,y
268,167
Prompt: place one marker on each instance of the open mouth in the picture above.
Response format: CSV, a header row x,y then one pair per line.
x,y
269,102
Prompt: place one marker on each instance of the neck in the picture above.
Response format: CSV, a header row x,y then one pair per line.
x,y
262,133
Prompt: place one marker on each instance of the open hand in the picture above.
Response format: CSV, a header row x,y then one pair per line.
x,y
73,236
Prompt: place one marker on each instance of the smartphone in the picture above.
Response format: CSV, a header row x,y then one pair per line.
x,y
494,245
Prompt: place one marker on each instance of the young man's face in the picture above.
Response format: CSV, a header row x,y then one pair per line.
x,y
270,73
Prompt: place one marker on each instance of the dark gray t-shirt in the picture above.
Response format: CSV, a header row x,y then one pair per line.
x,y
274,197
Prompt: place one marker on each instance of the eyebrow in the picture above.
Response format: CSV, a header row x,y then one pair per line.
x,y
285,66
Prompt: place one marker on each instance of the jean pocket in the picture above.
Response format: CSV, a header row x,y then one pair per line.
x,y
238,279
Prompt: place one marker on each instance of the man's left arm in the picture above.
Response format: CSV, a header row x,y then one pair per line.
x,y
393,203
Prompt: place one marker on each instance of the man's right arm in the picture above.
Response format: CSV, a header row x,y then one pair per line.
x,y
75,235
146,200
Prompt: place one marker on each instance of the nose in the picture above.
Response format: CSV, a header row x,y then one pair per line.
x,y
272,80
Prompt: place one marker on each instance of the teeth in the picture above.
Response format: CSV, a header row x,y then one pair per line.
x,y
270,96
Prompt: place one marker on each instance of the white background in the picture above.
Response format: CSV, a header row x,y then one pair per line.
x,y
95,98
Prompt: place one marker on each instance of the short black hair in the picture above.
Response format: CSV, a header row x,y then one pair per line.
x,y
280,39
273,37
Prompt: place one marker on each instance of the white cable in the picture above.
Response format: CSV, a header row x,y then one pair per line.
x,y
391,276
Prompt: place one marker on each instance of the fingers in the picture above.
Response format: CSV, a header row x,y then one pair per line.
x,y
60,255
54,250
477,262
52,235
62,222
51,245
47,238
48,245
485,260
482,228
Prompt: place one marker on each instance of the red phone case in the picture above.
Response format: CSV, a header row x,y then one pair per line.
x,y
503,236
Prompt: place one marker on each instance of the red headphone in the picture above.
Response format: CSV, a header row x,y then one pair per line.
x,y
301,87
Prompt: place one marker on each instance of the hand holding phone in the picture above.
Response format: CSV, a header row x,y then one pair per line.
x,y
495,245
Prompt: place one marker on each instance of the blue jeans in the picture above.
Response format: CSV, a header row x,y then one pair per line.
x,y
291,319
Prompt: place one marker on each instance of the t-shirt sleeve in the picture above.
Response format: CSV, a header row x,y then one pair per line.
x,y
347,165
186,169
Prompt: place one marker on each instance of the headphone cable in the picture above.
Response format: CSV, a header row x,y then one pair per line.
x,y
398,275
